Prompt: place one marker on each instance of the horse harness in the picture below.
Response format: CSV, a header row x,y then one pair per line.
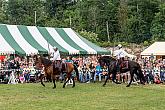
x,y
61,66
122,63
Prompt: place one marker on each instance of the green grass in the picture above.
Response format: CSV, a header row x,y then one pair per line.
x,y
84,96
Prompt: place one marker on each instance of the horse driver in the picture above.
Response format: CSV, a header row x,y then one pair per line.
x,y
56,58
120,54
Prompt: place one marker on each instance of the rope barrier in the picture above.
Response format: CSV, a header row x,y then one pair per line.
x,y
20,70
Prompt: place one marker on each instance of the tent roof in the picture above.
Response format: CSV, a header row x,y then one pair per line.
x,y
157,48
27,40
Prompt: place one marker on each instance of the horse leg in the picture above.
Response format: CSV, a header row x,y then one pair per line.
x,y
141,76
73,82
114,77
66,82
41,77
106,80
54,82
142,79
132,75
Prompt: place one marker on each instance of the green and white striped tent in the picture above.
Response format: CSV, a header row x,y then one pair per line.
x,y
25,40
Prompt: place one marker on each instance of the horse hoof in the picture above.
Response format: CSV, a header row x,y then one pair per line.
x,y
118,83
128,86
63,86
144,83
103,85
54,87
73,86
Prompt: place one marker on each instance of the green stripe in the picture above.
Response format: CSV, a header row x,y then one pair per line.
x,y
10,40
29,38
98,49
50,40
68,40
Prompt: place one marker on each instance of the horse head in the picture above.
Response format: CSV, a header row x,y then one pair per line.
x,y
38,61
106,60
102,62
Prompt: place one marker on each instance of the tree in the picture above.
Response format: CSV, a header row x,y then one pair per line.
x,y
2,12
22,11
123,20
96,13
128,20
141,14
158,24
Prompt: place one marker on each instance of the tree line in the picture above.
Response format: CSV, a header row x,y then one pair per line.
x,y
130,21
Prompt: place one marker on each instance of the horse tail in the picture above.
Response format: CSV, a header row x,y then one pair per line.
x,y
141,75
77,73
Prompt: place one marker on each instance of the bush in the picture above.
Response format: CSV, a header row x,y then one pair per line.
x,y
146,43
89,36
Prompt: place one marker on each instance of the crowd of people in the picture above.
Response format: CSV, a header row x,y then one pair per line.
x,y
154,70
23,71
89,69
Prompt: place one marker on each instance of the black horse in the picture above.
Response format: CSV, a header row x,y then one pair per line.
x,y
133,67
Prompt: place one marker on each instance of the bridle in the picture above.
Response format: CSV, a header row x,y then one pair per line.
x,y
102,63
39,64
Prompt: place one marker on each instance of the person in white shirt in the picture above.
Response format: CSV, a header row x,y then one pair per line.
x,y
56,57
120,55
56,54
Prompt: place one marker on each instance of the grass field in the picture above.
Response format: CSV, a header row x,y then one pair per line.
x,y
84,96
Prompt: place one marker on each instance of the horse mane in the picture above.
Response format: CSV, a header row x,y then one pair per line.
x,y
108,58
45,61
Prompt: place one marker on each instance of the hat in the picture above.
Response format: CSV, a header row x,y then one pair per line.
x,y
119,45
54,47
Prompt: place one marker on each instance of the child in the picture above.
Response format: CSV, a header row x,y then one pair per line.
x,y
21,78
157,79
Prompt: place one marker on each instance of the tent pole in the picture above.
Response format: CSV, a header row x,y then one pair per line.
x,y
35,18
108,31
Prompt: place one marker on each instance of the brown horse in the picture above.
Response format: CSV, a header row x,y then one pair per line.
x,y
50,72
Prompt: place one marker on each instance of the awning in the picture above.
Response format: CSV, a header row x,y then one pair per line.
x,y
26,40
5,48
157,48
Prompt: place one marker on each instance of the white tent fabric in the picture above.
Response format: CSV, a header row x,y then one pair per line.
x,y
59,40
20,40
157,48
39,38
8,48
75,38
26,40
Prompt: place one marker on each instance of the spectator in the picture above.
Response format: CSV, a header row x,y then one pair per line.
x,y
69,60
157,79
92,70
21,78
98,72
105,71
162,72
